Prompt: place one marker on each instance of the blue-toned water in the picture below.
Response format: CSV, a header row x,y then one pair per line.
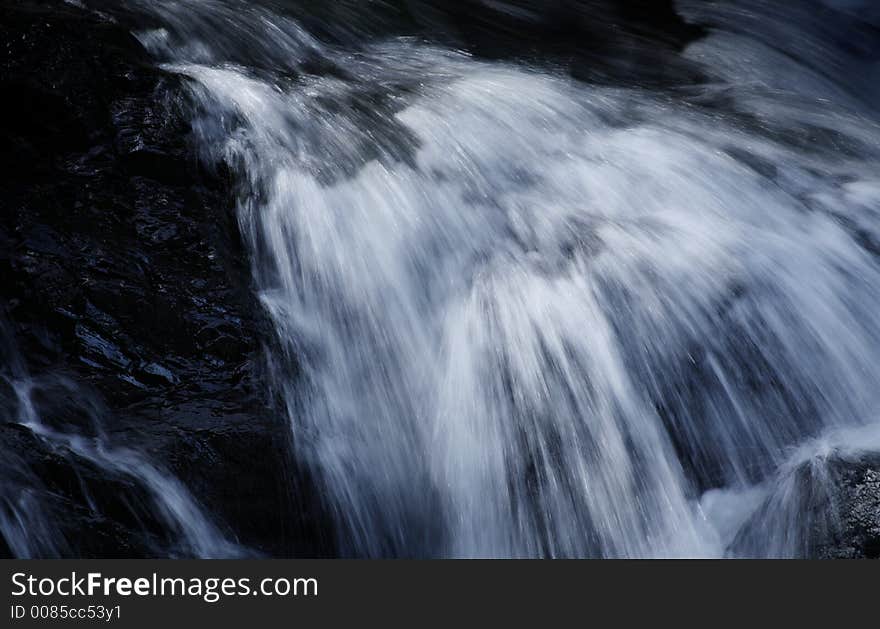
x,y
533,316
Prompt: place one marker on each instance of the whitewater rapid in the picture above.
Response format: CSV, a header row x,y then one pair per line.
x,y
519,315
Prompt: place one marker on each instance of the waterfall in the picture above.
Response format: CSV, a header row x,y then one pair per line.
x,y
520,315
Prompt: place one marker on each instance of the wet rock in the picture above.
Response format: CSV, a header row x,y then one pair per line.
x,y
857,507
827,507
121,272
76,508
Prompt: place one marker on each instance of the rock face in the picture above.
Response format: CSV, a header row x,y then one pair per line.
x,y
122,271
827,507
856,509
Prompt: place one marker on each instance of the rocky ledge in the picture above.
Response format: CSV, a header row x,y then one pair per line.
x,y
121,270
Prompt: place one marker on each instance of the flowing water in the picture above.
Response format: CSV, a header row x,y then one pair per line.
x,y
75,432
520,315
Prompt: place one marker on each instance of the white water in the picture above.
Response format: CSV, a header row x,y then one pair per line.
x,y
533,317
30,527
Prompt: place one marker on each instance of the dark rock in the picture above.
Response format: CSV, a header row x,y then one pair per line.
x,y
857,506
827,507
121,272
